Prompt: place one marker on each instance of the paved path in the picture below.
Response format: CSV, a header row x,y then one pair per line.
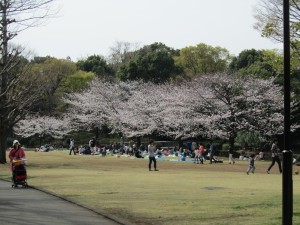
x,y
22,206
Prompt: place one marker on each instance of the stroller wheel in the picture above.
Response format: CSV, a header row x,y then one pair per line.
x,y
25,185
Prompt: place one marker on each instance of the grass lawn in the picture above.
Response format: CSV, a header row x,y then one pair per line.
x,y
180,193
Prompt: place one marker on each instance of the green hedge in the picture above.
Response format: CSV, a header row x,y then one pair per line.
x,y
226,147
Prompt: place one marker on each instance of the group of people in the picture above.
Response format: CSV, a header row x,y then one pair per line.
x,y
92,148
199,153
95,148
17,152
199,156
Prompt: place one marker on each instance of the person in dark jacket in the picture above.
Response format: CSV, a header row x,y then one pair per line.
x,y
275,157
212,150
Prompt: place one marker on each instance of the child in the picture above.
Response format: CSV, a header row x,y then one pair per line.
x,y
251,164
201,153
197,155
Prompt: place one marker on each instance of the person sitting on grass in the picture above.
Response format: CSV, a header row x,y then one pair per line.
x,y
158,153
103,151
138,154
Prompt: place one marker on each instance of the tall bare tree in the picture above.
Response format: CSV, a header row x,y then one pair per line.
x,y
122,52
16,16
269,20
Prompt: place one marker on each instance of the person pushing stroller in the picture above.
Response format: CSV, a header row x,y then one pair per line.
x,y
16,156
16,152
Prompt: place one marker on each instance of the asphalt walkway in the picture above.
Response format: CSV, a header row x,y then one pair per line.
x,y
28,206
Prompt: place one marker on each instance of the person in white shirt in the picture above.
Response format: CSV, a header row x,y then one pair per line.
x,y
151,152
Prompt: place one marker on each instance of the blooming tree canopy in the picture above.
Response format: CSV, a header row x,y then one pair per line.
x,y
233,104
215,106
43,126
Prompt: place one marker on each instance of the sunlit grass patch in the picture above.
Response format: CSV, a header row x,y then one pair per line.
x,y
179,193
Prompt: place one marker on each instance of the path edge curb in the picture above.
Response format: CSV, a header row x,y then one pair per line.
x,y
99,212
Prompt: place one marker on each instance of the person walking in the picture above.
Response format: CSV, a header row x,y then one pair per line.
x,y
212,150
16,152
275,157
72,147
151,152
251,164
231,160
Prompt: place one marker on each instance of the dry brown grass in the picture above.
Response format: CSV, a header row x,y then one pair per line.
x,y
180,193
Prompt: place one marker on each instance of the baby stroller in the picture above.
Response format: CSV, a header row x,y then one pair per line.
x,y
19,174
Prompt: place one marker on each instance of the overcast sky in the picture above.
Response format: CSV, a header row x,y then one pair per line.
x,y
87,27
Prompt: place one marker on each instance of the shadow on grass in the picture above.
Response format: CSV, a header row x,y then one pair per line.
x,y
48,166
213,188
265,205
296,214
108,193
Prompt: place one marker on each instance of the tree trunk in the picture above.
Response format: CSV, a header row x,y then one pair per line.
x,y
3,143
4,81
180,144
23,14
231,141
138,142
96,133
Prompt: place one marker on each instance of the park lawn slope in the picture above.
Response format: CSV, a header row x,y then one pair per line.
x,y
179,193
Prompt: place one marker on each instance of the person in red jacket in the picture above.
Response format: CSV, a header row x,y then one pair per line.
x,y
201,153
16,152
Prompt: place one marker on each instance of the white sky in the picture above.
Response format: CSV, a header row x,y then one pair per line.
x,y
87,27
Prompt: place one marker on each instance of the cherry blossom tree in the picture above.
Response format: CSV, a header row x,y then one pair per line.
x,y
138,115
215,106
233,104
211,106
175,114
124,107
98,106
43,126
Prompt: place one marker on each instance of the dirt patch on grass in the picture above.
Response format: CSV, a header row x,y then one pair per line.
x,y
213,188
